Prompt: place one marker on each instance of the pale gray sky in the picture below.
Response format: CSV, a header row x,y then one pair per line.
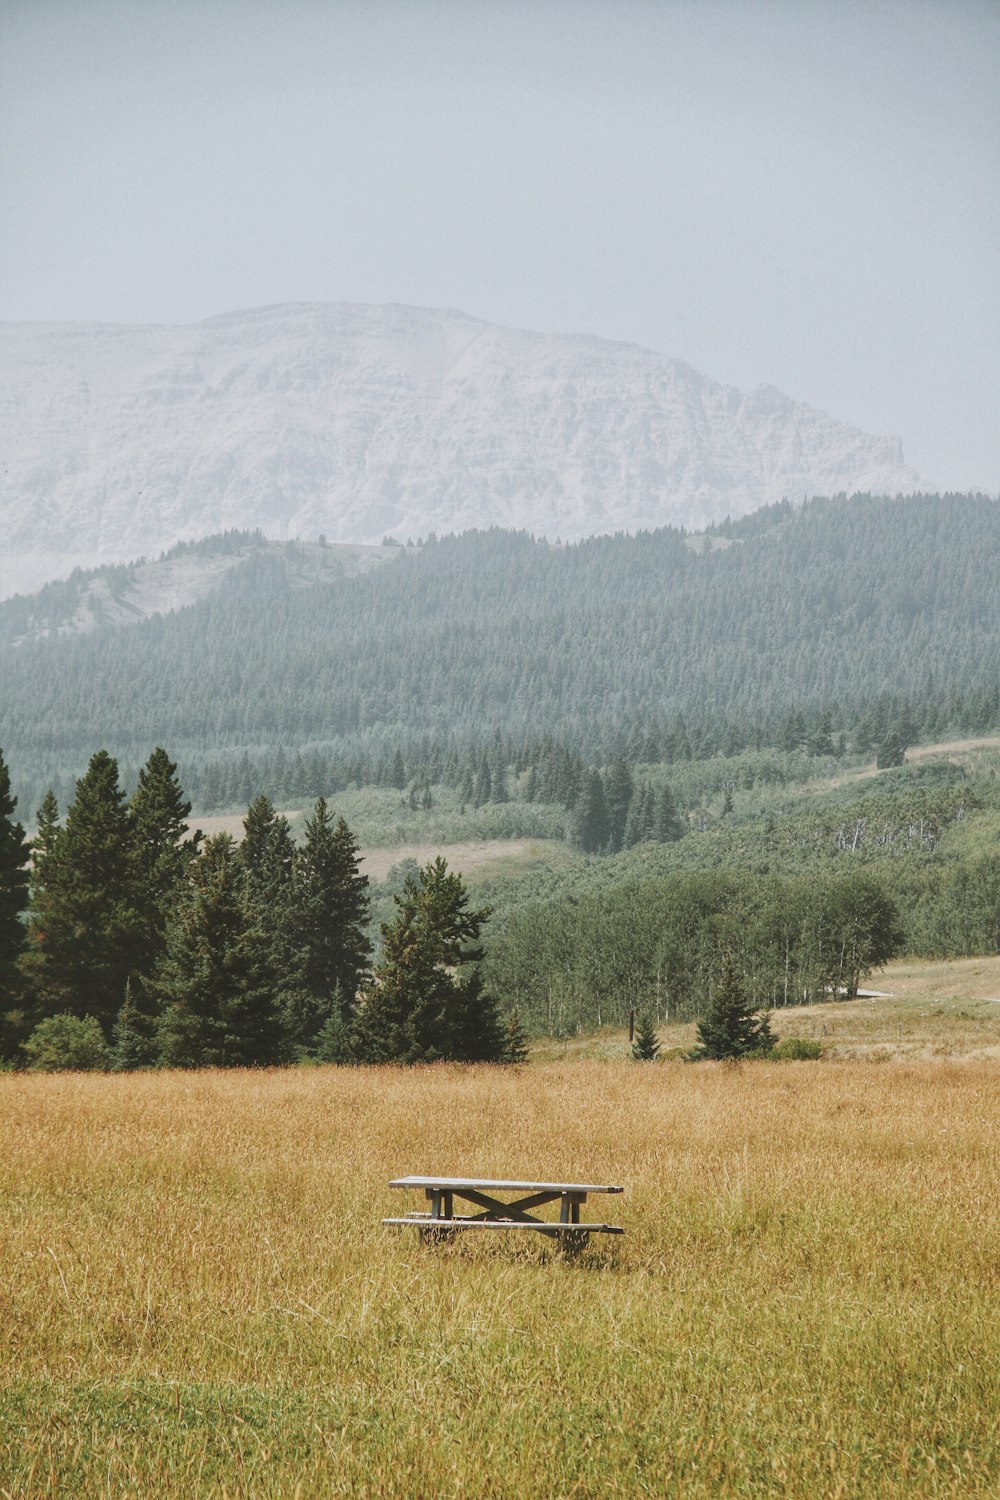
x,y
804,193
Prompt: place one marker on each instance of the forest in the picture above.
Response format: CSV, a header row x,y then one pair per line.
x,y
142,945
830,626
718,733
136,940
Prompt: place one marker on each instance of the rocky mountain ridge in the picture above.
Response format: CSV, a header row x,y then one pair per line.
x,y
354,421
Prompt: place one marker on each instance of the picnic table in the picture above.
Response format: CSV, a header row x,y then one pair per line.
x,y
440,1221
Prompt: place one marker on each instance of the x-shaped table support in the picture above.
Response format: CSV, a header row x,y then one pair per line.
x,y
496,1210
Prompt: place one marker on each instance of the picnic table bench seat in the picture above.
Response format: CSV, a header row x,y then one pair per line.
x,y
440,1220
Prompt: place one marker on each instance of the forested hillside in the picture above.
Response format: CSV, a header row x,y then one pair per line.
x,y
827,625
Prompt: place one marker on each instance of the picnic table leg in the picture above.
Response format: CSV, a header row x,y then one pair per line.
x,y
572,1241
432,1234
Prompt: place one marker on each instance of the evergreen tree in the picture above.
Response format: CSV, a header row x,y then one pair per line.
x,y
592,828
821,740
335,1041
668,825
516,1047
84,927
397,775
731,1028
266,858
641,822
646,1047
618,793
162,845
44,842
216,989
793,731
133,1036
484,784
267,852
330,905
426,1000
14,853
162,851
890,752
67,1044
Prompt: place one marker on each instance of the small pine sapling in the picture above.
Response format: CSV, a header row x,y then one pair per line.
x,y
646,1047
515,1042
732,1028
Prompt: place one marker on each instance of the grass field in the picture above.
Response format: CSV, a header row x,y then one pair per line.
x,y
198,1298
928,1009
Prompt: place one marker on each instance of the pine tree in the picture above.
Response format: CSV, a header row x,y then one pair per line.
x,y
592,827
890,752
335,1042
43,846
330,905
641,823
14,853
162,851
267,859
732,1027
46,833
516,1047
133,1036
668,826
793,731
484,784
397,774
646,1047
619,790
84,927
267,852
426,999
215,989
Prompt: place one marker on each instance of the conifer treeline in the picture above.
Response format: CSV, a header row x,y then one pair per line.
x,y
168,949
844,622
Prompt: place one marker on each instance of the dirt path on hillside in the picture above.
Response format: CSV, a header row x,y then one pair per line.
x,y
951,748
472,855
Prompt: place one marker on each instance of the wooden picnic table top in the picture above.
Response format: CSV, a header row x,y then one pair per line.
x,y
495,1184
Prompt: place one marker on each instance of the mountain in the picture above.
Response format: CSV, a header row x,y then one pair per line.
x,y
357,422
836,610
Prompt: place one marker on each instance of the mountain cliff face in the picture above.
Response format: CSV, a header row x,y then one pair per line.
x,y
357,421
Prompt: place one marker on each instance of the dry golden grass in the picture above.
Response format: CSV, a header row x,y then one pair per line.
x,y
198,1298
933,1009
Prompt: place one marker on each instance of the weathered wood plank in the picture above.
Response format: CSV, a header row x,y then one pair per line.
x,y
425,1221
502,1185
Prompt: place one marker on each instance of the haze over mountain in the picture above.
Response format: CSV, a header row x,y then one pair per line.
x,y
360,421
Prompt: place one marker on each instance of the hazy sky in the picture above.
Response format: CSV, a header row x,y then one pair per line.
x,y
805,194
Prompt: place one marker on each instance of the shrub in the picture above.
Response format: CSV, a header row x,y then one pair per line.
x,y
796,1049
65,1044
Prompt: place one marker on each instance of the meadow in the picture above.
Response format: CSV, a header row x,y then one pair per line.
x,y
198,1297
